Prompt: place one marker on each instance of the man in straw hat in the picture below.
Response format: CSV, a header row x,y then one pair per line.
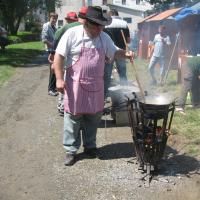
x,y
85,47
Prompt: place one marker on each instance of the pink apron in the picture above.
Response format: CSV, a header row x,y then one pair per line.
x,y
85,85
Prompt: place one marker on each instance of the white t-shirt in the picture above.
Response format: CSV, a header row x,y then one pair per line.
x,y
71,42
3,30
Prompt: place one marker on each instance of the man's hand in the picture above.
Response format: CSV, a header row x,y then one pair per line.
x,y
130,55
110,60
163,39
61,85
51,58
52,69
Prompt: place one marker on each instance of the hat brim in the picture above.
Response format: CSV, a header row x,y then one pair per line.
x,y
81,16
75,19
106,20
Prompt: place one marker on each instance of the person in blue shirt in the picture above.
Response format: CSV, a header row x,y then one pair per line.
x,y
161,41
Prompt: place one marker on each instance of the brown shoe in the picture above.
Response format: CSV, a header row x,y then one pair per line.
x,y
94,152
69,160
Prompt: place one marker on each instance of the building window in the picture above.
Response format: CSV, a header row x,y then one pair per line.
x,y
123,2
89,2
60,22
137,2
104,2
128,20
104,11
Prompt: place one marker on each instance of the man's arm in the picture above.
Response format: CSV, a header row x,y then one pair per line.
x,y
166,41
58,68
48,43
1,32
120,54
152,50
128,40
59,33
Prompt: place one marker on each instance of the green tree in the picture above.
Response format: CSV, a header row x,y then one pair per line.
x,y
12,11
160,5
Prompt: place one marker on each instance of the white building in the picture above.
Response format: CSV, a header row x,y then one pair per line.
x,y
130,10
39,14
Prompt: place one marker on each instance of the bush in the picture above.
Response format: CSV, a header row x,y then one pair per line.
x,y
24,38
36,29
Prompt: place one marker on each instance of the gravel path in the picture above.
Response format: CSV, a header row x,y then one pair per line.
x,y
31,152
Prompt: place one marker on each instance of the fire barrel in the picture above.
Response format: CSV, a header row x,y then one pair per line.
x,y
150,124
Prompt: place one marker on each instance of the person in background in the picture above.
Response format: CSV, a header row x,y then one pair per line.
x,y
161,41
3,39
57,37
134,40
71,22
70,18
115,28
48,32
85,47
191,73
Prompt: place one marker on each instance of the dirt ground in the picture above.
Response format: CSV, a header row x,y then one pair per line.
x,y
32,155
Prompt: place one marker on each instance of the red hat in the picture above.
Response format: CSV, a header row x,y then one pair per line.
x,y
83,11
71,15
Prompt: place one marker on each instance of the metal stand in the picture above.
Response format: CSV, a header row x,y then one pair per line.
x,y
150,126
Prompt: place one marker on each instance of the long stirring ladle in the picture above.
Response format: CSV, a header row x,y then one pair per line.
x,y
133,68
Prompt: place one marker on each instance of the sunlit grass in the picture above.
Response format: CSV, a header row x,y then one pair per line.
x,y
187,126
17,55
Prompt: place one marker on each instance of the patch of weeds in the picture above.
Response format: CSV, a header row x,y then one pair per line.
x,y
194,150
196,142
174,131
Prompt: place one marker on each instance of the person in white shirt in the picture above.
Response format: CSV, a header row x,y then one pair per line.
x,y
3,39
85,47
48,32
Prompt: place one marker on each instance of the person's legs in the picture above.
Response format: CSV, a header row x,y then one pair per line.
x,y
52,83
186,85
72,137
3,44
3,48
152,64
195,91
60,104
121,68
162,68
107,77
89,129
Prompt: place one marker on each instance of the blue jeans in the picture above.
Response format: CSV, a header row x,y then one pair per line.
x,y
153,62
121,68
72,135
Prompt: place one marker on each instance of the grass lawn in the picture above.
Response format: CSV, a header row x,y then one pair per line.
x,y
187,126
18,33
17,55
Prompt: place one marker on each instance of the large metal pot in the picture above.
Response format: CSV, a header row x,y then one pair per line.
x,y
159,99
117,94
161,103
